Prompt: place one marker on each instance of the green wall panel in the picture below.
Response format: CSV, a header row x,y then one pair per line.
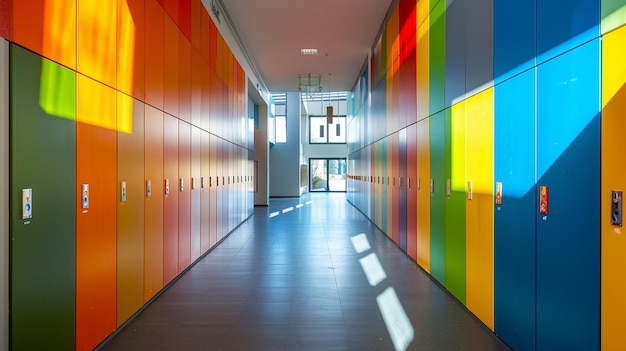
x,y
437,57
43,158
437,197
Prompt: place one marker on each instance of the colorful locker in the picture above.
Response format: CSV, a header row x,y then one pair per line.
x,y
435,185
130,206
170,200
205,189
455,185
613,245
213,200
40,284
423,194
402,191
411,191
196,191
184,188
515,208
568,163
479,205
95,212
185,77
153,202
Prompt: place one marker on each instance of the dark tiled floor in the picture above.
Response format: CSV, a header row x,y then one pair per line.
x,y
293,280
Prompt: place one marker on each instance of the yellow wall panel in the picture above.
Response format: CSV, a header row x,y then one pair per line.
x,y
479,209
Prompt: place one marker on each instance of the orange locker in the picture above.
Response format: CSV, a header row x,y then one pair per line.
x,y
153,202
184,195
170,200
95,214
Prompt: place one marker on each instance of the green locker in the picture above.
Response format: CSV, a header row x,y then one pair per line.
x,y
43,158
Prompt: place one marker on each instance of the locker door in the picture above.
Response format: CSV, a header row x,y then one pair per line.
x,y
455,202
213,200
184,195
568,163
196,191
395,187
170,200
436,187
402,197
514,217
153,256
411,191
42,143
130,211
420,183
205,197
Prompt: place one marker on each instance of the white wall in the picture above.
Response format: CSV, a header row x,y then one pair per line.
x,y
4,194
321,150
285,157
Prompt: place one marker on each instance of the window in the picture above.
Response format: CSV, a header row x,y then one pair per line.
x,y
327,174
322,133
281,129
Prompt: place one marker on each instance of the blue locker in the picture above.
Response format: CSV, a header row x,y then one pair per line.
x,y
568,236
514,217
515,37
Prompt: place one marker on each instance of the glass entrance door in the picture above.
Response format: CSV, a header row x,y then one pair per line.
x,y
328,174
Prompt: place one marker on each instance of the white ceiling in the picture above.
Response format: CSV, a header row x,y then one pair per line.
x,y
274,31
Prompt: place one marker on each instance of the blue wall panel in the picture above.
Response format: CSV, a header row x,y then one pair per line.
x,y
515,37
564,24
514,218
568,162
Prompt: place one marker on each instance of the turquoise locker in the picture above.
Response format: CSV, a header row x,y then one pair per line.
x,y
515,208
568,236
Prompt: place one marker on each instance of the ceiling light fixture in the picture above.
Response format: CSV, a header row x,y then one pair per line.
x,y
308,51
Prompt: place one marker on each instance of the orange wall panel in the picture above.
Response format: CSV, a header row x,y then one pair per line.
x,y
205,34
95,225
97,40
184,196
196,191
170,201
131,29
172,9
198,76
154,49
185,78
130,212
196,23
153,227
48,28
171,66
